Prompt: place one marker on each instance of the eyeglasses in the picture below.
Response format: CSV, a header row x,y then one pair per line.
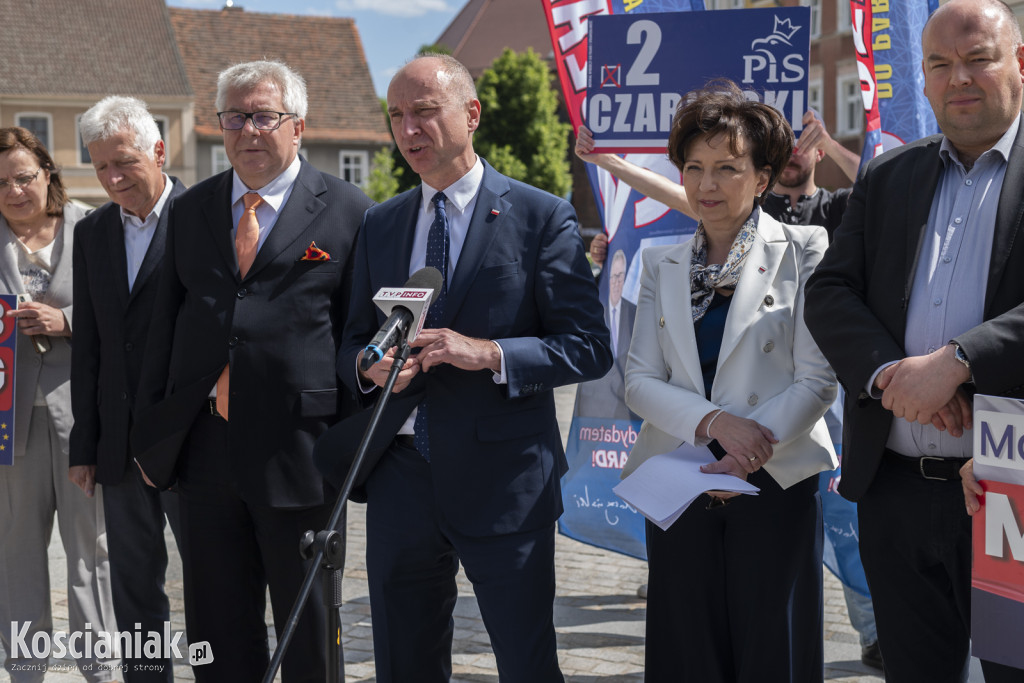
x,y
262,120
20,182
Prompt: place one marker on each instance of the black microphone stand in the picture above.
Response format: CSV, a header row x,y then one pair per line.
x,y
327,548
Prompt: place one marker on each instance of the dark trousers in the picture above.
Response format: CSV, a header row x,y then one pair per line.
x,y
232,551
135,514
735,592
915,545
412,558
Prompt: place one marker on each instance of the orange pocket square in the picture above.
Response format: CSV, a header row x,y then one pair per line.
x,y
315,253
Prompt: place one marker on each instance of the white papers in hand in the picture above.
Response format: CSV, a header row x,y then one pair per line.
x,y
665,485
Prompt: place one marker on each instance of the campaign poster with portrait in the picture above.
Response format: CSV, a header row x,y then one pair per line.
x,y
603,429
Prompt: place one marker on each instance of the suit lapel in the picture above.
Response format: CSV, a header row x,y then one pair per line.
x,y
759,271
1008,216
113,232
155,253
674,286
488,217
217,209
9,272
398,239
298,212
60,281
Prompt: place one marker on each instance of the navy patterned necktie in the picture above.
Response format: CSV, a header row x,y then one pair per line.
x,y
438,244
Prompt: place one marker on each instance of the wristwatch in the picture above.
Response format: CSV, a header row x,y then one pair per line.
x,y
959,354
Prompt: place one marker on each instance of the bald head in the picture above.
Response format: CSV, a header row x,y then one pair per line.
x,y
974,72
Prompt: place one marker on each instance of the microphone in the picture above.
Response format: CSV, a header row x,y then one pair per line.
x,y
406,308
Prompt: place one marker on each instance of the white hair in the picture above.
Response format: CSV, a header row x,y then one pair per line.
x,y
248,75
113,115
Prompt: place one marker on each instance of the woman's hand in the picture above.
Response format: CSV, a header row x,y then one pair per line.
x,y
747,443
727,465
35,318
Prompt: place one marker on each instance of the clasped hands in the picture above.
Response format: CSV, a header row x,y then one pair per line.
x,y
747,443
926,389
436,347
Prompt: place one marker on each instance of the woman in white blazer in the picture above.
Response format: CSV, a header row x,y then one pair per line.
x,y
36,233
720,357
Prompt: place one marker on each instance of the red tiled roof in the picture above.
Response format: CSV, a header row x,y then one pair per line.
x,y
484,28
326,51
89,47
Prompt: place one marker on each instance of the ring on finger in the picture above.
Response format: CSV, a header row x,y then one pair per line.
x,y
752,459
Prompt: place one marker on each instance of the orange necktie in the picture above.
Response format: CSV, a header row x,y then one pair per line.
x,y
247,239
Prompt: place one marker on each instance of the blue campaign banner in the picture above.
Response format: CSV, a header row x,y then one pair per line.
x,y
887,38
593,513
8,346
640,66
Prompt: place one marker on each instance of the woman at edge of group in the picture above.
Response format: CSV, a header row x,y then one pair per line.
x,y
735,584
36,233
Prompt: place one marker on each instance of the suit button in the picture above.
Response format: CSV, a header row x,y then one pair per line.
x,y
233,342
241,293
661,323
128,346
124,396
769,300
752,400
769,347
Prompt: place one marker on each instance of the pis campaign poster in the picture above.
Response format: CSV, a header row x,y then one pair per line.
x,y
8,345
997,580
603,429
641,66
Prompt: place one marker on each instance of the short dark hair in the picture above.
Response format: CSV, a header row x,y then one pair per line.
x,y
56,195
720,108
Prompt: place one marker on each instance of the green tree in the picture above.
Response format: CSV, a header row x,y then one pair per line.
x,y
520,133
383,181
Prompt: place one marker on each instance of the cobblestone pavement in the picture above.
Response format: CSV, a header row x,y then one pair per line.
x,y
598,617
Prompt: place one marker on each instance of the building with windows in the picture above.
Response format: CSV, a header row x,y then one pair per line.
x,y
60,58
345,125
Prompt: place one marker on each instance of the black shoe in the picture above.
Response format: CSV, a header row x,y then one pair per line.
x,y
871,656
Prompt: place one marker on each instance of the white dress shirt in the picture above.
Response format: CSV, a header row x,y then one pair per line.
x,y
275,194
138,233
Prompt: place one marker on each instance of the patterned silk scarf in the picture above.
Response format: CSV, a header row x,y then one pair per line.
x,y
705,279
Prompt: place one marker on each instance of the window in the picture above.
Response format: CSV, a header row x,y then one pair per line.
x,y
83,151
39,124
163,124
815,97
849,105
815,6
354,166
843,22
218,160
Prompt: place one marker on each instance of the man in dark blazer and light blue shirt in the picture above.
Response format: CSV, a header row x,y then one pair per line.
x,y
473,474
251,304
918,303
118,249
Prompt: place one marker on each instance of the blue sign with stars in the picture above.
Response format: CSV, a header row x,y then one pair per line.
x,y
8,345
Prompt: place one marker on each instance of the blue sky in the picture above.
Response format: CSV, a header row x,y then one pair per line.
x,y
391,30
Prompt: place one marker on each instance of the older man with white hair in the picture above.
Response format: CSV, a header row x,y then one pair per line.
x,y
117,251
239,378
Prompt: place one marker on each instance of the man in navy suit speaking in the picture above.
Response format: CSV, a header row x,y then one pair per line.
x,y
473,473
